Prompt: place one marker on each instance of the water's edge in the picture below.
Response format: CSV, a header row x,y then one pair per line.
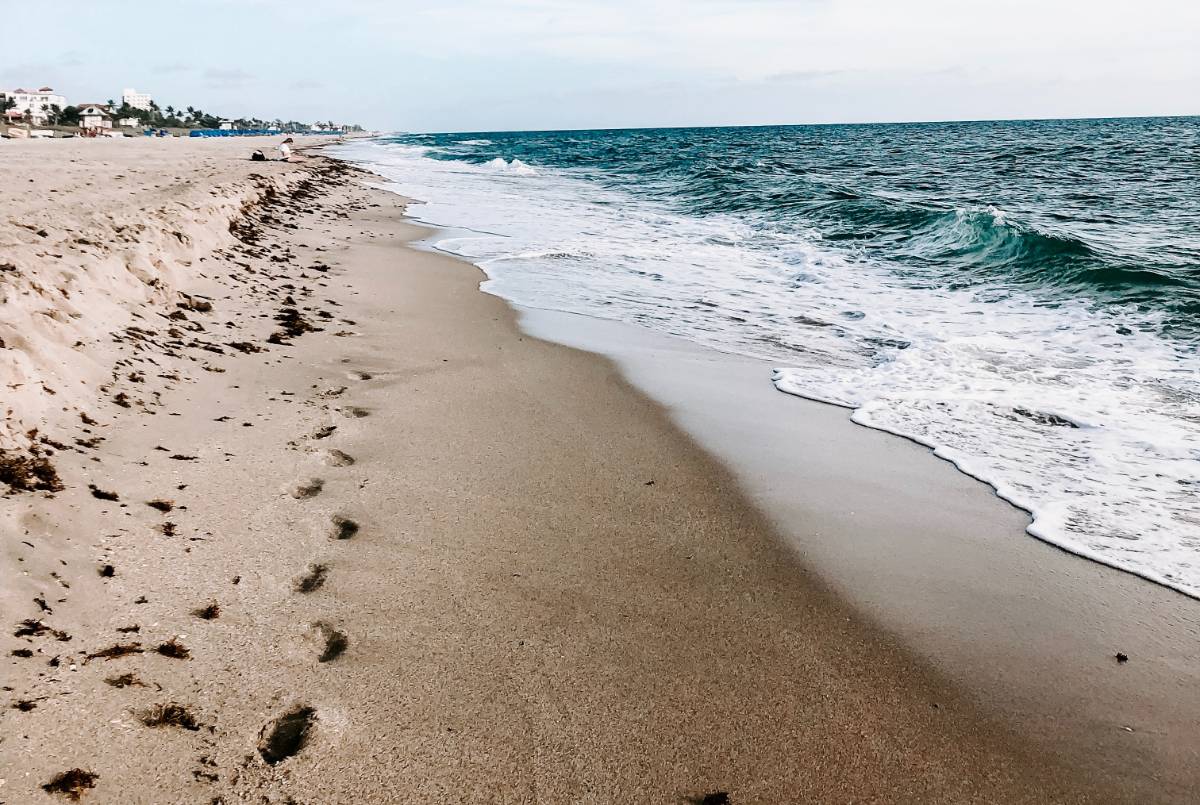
x,y
929,554
1075,420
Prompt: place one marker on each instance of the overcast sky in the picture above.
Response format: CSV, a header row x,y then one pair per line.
x,y
473,65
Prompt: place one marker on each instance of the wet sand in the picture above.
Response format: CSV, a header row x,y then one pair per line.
x,y
1029,631
402,551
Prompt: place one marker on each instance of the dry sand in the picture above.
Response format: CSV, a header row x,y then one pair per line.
x,y
350,536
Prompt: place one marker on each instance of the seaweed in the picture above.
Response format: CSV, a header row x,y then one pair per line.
x,y
72,783
170,715
28,473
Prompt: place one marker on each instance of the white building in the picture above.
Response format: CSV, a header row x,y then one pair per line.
x,y
138,100
129,122
226,125
34,103
94,116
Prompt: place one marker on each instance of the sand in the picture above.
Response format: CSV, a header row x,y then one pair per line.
x,y
350,535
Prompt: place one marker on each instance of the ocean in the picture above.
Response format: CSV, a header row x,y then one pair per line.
x,y
1022,296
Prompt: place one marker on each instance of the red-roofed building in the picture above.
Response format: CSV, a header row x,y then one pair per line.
x,y
34,104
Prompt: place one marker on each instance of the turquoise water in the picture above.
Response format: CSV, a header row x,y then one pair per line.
x,y
1024,297
1107,210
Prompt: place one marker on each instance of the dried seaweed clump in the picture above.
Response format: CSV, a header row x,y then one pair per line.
x,y
28,472
71,784
170,715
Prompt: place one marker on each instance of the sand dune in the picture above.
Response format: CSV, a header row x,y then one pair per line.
x,y
101,236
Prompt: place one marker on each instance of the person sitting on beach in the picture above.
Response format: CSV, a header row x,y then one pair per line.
x,y
285,150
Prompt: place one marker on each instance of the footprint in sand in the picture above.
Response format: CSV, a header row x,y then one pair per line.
x,y
308,489
330,641
313,579
336,458
343,527
287,734
353,412
356,375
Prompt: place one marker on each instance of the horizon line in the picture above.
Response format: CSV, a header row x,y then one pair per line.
x,y
931,122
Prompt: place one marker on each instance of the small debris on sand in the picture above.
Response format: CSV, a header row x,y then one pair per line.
x,y
124,681
170,715
163,506
71,784
715,798
35,628
115,651
102,494
208,612
28,473
195,303
173,649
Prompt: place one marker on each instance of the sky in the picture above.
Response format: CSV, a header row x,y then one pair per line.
x,y
472,65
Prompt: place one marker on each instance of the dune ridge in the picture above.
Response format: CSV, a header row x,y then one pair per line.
x,y
90,247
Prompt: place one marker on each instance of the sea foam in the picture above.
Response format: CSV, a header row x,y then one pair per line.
x,y
1084,417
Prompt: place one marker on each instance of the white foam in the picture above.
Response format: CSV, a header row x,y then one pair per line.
x,y
992,381
514,167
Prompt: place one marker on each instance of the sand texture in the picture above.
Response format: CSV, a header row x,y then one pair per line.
x,y
329,528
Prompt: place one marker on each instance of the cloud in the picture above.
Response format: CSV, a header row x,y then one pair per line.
x,y
227,78
477,63
173,68
802,76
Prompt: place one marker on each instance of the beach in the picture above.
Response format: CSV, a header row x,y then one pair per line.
x,y
309,518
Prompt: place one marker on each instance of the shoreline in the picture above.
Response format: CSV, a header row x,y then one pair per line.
x,y
1028,630
1021,387
463,516
1054,621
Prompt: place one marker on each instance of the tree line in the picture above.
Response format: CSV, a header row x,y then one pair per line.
x,y
169,117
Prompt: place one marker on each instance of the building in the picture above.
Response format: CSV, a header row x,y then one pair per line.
x,y
129,122
138,100
94,116
226,125
36,104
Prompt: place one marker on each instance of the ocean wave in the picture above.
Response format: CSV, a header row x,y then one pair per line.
x,y
513,167
994,244
1041,338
